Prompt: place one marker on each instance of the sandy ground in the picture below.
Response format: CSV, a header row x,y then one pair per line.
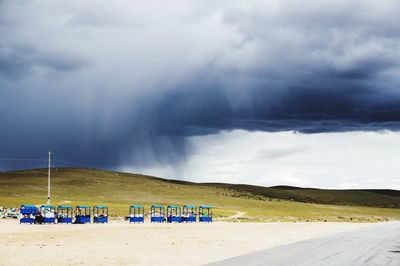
x,y
121,243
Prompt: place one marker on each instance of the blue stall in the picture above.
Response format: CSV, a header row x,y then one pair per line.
x,y
189,214
49,214
82,214
64,214
174,214
205,214
100,214
29,212
136,214
157,214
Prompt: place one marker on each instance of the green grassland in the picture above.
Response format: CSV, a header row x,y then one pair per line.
x,y
119,190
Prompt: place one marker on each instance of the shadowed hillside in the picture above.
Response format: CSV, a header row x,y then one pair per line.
x,y
232,202
384,198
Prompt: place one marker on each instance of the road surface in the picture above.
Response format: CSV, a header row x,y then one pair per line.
x,y
378,244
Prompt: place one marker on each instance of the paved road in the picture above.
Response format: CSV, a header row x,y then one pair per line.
x,y
378,244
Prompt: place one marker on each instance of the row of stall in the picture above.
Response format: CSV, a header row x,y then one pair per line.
x,y
82,214
174,213
49,214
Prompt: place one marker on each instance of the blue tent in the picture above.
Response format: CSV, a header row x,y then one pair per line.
x,y
29,211
100,214
157,214
205,213
189,213
136,214
49,213
174,214
82,214
64,214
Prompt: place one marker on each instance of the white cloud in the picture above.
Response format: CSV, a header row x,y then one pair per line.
x,y
325,160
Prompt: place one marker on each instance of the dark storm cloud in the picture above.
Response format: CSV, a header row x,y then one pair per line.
x,y
19,60
127,83
306,109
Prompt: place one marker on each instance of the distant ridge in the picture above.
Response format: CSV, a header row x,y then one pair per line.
x,y
386,198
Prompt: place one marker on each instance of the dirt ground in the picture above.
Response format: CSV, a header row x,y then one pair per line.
x,y
121,243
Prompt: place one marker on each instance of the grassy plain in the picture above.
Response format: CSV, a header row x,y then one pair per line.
x,y
75,186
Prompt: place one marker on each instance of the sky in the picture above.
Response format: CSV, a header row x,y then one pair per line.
x,y
271,92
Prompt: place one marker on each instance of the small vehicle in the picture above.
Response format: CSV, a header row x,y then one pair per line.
x,y
100,214
189,214
174,214
64,214
82,214
28,212
49,214
205,214
157,214
136,214
12,214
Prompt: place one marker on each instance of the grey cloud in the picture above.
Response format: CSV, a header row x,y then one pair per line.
x,y
19,60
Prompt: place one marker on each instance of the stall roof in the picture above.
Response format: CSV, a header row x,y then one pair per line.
x,y
48,206
65,207
28,205
137,206
190,206
101,207
206,206
157,206
83,206
174,206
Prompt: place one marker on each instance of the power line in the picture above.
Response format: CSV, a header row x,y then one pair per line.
x,y
54,160
81,165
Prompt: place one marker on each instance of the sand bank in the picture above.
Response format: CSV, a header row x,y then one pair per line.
x,y
121,243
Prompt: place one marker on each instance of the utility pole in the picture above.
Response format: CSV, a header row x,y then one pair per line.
x,y
48,181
